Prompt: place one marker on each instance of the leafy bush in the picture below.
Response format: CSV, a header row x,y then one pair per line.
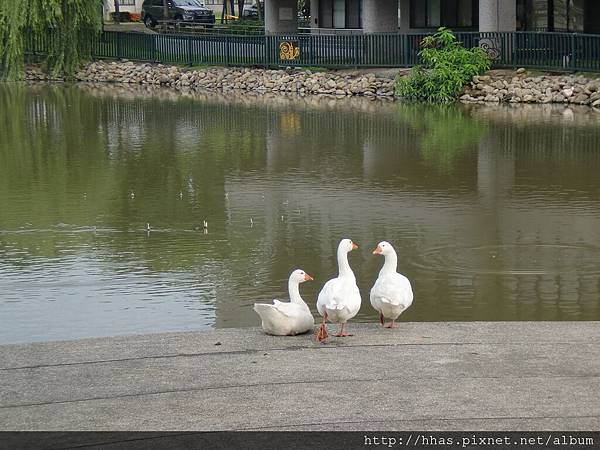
x,y
448,67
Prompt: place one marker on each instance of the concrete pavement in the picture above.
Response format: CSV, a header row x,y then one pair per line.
x,y
427,376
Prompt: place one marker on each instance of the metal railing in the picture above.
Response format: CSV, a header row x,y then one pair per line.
x,y
177,27
555,51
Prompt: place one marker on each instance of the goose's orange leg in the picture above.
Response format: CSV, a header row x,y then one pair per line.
x,y
392,324
341,333
321,333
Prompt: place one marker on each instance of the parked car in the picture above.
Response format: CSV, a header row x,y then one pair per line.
x,y
183,12
251,11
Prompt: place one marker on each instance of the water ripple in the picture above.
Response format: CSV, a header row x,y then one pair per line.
x,y
513,259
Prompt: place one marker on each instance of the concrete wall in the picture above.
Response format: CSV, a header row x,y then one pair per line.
x,y
281,16
497,15
380,16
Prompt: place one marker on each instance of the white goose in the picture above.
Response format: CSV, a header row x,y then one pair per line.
x,y
391,294
339,300
287,319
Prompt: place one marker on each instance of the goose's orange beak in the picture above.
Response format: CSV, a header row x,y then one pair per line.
x,y
307,277
354,246
377,251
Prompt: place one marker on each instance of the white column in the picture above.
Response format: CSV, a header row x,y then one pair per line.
x,y
380,16
281,16
497,15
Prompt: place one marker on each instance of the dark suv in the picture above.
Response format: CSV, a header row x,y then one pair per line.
x,y
183,12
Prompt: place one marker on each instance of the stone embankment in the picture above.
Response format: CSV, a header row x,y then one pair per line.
x,y
301,81
522,87
496,86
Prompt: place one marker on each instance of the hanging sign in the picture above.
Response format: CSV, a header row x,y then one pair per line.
x,y
289,50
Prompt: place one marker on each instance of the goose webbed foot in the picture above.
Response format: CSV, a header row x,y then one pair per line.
x,y
321,333
342,333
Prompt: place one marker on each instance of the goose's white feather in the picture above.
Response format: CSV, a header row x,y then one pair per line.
x,y
392,293
287,318
340,297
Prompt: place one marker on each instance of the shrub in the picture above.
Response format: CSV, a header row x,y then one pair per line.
x,y
448,67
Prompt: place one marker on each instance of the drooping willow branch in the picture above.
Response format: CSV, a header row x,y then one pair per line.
x,y
66,27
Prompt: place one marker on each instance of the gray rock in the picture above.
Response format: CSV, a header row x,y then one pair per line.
x,y
581,99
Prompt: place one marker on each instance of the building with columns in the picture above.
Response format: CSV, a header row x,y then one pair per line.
x,y
406,16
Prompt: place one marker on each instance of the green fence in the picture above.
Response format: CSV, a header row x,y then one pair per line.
x,y
560,51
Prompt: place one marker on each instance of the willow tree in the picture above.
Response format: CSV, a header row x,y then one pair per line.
x,y
65,27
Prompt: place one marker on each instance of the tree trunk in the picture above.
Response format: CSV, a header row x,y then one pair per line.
x,y
241,8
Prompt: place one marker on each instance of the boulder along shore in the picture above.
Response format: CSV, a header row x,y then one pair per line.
x,y
302,81
496,86
522,87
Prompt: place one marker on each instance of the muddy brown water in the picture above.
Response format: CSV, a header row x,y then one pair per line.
x,y
494,210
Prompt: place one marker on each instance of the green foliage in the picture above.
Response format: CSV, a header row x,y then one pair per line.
x,y
448,67
12,20
68,25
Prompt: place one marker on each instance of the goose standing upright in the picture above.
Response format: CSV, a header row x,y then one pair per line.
x,y
339,300
287,319
391,294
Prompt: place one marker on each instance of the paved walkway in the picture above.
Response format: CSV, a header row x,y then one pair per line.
x,y
487,376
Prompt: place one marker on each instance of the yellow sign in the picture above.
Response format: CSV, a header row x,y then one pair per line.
x,y
289,51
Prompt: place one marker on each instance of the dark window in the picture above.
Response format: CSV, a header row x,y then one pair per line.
x,y
353,13
340,14
554,15
592,17
418,12
447,13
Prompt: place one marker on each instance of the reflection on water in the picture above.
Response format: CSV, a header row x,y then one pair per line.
x,y
494,210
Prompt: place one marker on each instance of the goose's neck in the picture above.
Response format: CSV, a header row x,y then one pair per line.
x,y
391,262
344,267
294,290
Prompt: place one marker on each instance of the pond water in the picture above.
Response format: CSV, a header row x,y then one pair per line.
x,y
494,211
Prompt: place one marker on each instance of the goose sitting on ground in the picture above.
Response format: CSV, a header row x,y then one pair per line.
x,y
391,294
339,300
287,319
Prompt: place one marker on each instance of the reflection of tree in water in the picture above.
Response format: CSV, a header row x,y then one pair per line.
x,y
70,158
446,132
